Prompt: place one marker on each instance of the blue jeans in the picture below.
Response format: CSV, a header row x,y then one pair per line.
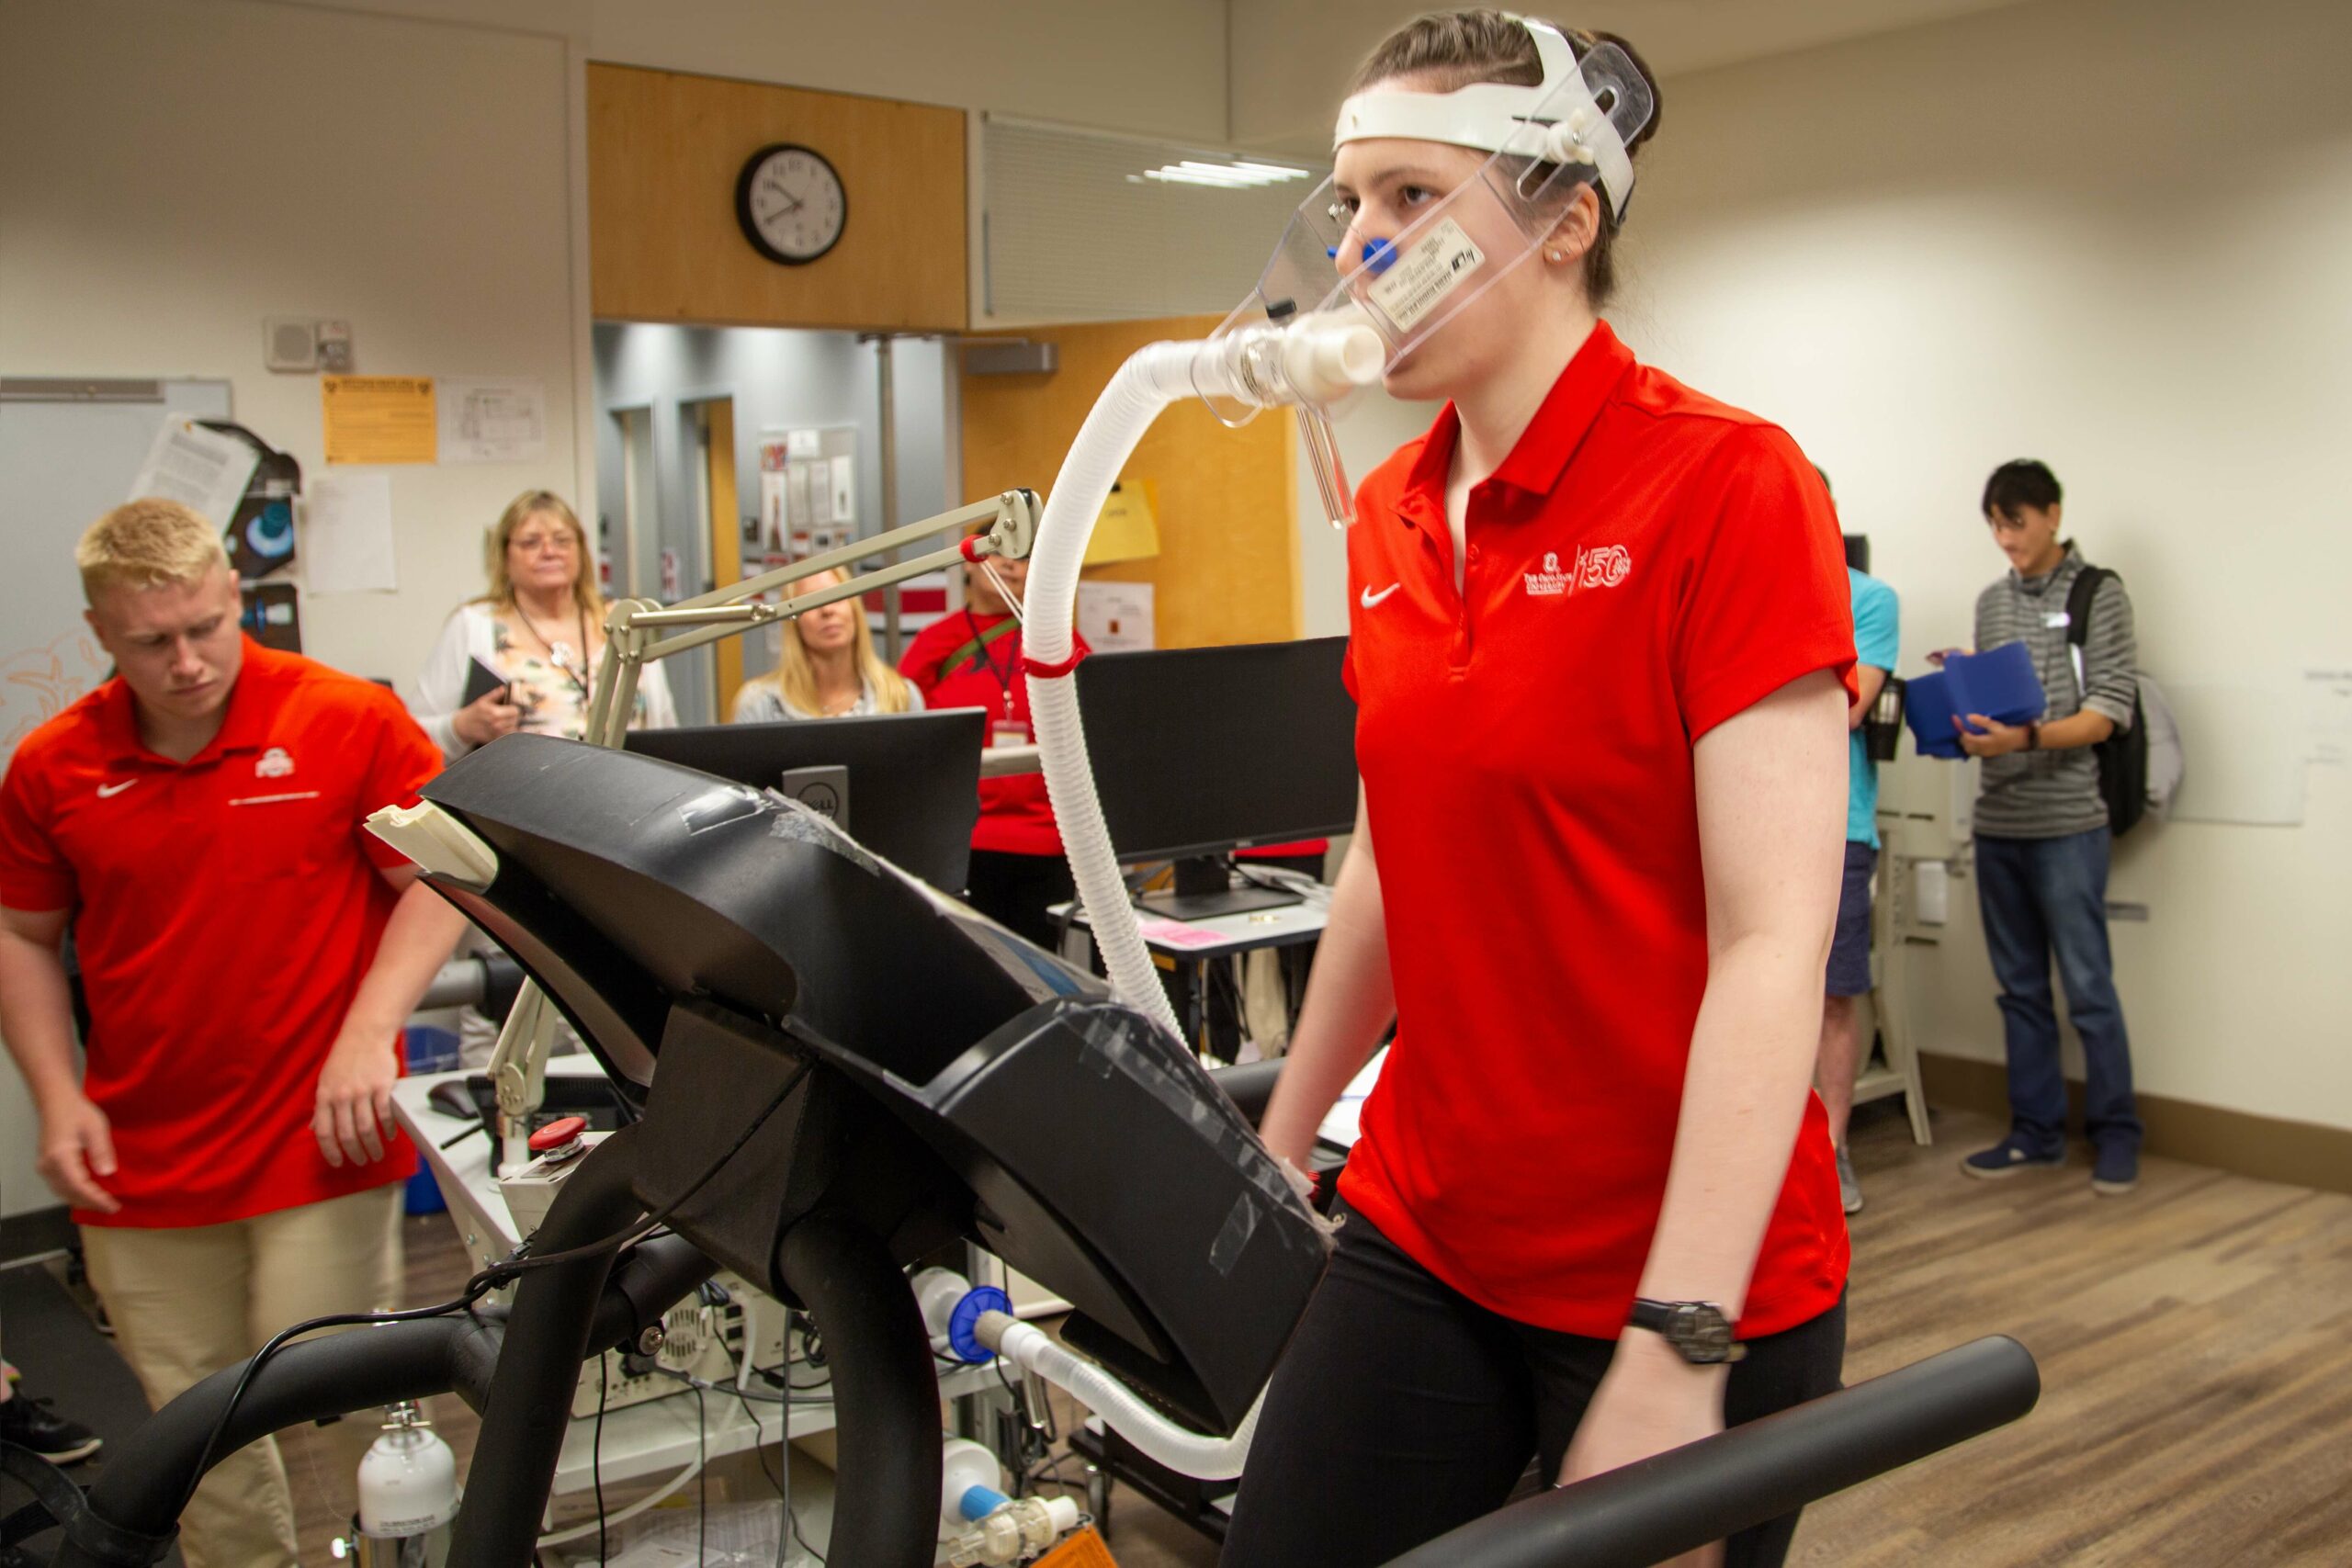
x,y
2039,895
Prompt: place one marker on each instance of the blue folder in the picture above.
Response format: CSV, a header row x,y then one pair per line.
x,y
1999,684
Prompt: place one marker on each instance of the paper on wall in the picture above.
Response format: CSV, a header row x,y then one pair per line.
x,y
821,493
378,419
1115,615
796,480
2327,716
844,488
803,445
484,421
1127,529
202,470
347,533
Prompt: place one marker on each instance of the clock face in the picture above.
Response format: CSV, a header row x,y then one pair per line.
x,y
791,204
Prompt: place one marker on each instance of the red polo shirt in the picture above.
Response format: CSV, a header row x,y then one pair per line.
x,y
1645,564
224,912
1015,815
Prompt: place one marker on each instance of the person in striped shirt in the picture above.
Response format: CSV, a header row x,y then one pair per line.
x,y
2042,843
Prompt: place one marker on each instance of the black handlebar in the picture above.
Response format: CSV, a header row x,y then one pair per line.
x,y
1685,1498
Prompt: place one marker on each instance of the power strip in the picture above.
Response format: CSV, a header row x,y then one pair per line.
x,y
699,1340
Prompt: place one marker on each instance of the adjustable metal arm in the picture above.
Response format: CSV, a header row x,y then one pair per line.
x,y
635,637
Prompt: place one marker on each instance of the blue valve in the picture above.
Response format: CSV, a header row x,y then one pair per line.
x,y
1379,255
979,1502
963,1325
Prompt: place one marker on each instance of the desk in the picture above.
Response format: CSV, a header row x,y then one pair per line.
x,y
661,1435
1188,947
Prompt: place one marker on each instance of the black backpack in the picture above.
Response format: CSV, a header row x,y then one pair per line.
x,y
2123,755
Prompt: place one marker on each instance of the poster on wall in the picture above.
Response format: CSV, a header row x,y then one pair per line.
x,y
483,421
347,534
378,419
1116,616
807,490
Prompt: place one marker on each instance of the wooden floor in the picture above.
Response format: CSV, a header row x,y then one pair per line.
x,y
2195,1341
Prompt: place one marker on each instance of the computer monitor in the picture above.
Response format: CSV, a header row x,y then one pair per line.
x,y
1200,752
907,786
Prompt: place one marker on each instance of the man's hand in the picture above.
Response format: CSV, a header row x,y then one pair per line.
x,y
76,1149
1650,1400
1981,736
354,1118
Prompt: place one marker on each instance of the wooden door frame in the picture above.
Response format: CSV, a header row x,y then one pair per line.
x,y
725,522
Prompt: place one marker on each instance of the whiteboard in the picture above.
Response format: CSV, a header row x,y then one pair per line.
x,y
69,450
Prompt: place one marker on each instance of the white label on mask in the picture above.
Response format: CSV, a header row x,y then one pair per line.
x,y
1425,272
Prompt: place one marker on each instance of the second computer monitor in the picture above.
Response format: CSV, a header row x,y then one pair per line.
x,y
1199,751
906,785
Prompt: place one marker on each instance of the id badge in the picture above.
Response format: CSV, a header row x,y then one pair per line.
x,y
1008,732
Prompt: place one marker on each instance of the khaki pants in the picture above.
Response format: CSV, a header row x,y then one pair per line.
x,y
188,1302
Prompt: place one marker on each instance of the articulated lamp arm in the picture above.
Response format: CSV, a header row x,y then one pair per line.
x,y
638,631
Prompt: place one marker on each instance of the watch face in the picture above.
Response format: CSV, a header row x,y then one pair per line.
x,y
1700,1333
791,204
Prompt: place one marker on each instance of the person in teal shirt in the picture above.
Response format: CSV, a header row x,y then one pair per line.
x,y
1877,633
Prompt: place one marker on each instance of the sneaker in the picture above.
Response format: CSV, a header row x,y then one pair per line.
x,y
30,1423
2008,1156
1849,1189
2115,1170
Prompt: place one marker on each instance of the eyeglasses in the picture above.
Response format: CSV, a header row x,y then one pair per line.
x,y
547,544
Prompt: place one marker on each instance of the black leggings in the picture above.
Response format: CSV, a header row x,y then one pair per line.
x,y
1403,1409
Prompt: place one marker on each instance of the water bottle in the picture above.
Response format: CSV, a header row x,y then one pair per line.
x,y
408,1497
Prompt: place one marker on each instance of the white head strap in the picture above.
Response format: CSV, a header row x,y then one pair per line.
x,y
1557,121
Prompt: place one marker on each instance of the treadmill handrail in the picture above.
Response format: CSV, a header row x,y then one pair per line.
x,y
1674,1502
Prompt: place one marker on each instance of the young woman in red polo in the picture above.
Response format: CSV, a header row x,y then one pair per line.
x,y
1600,645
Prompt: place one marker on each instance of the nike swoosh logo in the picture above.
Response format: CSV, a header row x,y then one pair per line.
x,y
108,792
1370,600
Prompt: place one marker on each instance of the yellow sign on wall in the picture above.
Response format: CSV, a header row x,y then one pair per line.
x,y
378,419
1128,528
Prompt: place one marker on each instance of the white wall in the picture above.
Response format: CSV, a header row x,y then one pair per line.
x,y
2116,236
1154,66
175,172
1374,426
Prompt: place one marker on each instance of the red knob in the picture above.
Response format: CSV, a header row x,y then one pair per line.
x,y
558,1133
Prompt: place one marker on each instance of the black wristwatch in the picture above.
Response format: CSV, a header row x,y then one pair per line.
x,y
1699,1331
2033,736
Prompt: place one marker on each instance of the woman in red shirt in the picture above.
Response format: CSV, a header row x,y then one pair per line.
x,y
972,659
1599,644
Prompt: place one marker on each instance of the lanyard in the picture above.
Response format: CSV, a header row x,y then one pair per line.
x,y
983,654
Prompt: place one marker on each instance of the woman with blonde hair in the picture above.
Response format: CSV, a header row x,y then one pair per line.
x,y
826,668
540,629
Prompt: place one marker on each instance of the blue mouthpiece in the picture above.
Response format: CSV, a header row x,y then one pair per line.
x,y
1379,255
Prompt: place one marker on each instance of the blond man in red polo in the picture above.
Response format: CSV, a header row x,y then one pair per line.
x,y
250,955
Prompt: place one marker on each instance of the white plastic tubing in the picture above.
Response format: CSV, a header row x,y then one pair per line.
x,y
1316,360
1187,1453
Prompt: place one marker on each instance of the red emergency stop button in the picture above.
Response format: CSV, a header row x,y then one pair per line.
x,y
559,1137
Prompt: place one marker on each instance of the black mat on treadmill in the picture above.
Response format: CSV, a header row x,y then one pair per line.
x,y
47,1336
